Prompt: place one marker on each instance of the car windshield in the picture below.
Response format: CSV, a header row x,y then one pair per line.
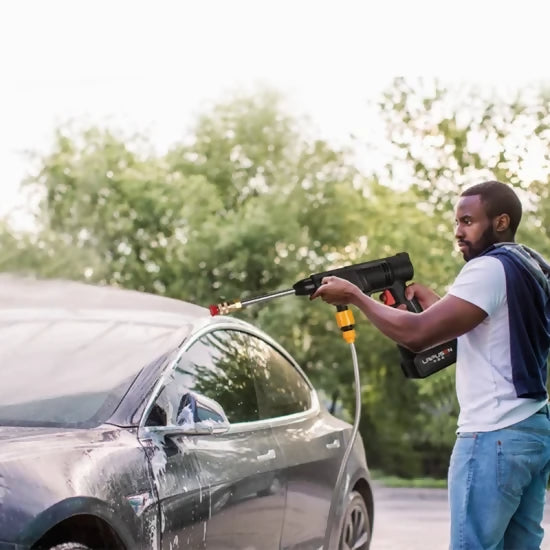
x,y
73,372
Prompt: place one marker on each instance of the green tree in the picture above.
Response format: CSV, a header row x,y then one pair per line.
x,y
41,253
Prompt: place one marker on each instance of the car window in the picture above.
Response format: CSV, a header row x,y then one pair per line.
x,y
281,388
218,366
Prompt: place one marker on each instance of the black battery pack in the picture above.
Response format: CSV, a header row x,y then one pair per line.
x,y
428,362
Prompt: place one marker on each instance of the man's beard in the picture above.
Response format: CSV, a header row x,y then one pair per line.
x,y
487,239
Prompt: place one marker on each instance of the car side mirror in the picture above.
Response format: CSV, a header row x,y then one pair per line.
x,y
198,414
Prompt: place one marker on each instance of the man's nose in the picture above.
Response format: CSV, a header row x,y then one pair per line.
x,y
459,233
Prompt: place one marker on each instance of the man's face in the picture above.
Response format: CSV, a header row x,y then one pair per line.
x,y
474,231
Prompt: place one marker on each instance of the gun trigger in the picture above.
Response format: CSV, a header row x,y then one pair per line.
x,y
387,298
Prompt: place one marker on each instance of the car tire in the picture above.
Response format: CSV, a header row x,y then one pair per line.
x,y
355,532
70,546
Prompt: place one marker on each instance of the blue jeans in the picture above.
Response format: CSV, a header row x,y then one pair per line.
x,y
497,486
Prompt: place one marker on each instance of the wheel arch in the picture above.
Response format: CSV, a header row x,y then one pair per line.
x,y
86,529
361,484
363,487
86,520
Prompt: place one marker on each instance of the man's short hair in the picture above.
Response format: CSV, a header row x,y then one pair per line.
x,y
498,198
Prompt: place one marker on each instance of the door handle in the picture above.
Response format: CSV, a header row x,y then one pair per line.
x,y
334,445
270,455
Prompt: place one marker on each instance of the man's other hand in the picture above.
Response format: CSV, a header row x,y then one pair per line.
x,y
425,296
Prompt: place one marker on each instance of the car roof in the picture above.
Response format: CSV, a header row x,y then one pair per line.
x,y
60,329
48,297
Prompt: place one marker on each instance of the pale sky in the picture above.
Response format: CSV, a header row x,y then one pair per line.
x,y
152,65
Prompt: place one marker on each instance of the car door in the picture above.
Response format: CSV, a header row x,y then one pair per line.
x,y
312,445
219,490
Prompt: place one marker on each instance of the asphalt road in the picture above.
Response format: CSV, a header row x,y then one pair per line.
x,y
418,519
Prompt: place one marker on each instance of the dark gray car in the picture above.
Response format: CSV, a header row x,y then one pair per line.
x,y
131,421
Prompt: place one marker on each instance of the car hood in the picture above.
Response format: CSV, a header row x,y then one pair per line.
x,y
40,467
43,458
17,443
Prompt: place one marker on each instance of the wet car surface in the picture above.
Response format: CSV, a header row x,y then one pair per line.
x,y
131,421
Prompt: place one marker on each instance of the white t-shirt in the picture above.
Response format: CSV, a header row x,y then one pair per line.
x,y
484,385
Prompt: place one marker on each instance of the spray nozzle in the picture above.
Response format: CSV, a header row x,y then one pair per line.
x,y
224,308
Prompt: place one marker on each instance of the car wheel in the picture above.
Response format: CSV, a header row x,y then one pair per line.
x,y
70,546
356,531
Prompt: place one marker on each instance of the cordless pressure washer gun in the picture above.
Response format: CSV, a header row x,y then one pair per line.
x,y
387,276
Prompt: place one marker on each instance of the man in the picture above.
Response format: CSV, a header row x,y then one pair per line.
x,y
499,308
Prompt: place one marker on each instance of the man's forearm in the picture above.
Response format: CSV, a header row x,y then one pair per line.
x,y
442,321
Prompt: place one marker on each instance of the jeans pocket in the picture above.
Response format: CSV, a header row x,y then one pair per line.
x,y
462,450
516,462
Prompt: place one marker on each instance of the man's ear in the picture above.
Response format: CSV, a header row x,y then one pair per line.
x,y
501,223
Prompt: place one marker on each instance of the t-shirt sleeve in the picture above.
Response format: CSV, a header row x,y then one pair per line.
x,y
481,282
